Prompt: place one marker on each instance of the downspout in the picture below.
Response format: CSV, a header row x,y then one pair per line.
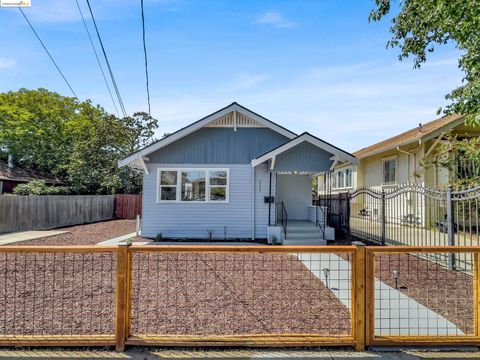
x,y
412,154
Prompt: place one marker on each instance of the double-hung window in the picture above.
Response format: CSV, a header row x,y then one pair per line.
x,y
193,185
342,179
389,170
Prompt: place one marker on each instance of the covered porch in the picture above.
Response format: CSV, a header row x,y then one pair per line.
x,y
292,219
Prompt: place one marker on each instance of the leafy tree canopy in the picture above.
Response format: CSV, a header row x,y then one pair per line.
x,y
77,141
421,25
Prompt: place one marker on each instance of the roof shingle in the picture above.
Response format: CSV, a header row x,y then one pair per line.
x,y
407,136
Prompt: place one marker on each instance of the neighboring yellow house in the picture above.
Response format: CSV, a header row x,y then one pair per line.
x,y
397,160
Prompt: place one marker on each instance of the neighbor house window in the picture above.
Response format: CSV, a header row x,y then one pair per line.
x,y
193,185
390,170
343,179
348,177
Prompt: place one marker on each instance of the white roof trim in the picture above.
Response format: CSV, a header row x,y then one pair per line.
x,y
339,154
199,124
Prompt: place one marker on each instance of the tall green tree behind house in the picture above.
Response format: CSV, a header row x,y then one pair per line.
x,y
422,25
77,141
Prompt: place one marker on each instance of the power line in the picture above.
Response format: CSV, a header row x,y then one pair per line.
x,y
120,102
145,54
96,56
48,53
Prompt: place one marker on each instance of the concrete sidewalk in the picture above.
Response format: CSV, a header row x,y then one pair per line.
x,y
15,237
138,353
395,312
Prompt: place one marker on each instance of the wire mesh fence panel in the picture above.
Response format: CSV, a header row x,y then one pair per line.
x,y
414,296
465,227
45,294
239,293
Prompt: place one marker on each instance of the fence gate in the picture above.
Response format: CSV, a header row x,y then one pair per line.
x,y
412,300
414,215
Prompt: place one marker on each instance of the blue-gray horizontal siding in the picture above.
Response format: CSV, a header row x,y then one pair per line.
x,y
262,184
304,157
219,146
192,220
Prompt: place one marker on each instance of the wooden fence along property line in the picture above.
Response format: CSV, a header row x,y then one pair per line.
x,y
236,295
40,212
128,206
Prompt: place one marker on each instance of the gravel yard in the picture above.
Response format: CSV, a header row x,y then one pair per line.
x,y
446,292
174,293
87,234
231,294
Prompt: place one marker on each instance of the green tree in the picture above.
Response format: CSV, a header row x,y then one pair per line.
x,y
76,141
461,157
421,25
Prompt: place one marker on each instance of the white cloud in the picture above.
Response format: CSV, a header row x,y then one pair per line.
x,y
246,81
6,63
275,19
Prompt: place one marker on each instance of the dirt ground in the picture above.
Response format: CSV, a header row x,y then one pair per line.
x,y
446,292
87,234
175,293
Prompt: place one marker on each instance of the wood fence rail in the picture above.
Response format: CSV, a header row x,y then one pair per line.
x,y
40,212
142,310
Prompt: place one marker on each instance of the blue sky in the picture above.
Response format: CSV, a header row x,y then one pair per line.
x,y
310,65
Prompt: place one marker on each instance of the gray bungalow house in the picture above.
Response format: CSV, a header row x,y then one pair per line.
x,y
234,175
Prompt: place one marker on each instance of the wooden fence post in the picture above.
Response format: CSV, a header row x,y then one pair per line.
x,y
476,292
121,317
359,318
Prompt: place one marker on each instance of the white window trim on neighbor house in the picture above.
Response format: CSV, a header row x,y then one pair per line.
x,y
343,186
208,186
395,180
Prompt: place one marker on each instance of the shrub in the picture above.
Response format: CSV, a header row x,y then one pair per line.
x,y
38,187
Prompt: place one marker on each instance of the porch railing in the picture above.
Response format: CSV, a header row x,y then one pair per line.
x,y
282,217
320,214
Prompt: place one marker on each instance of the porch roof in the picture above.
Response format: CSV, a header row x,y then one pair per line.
x,y
304,153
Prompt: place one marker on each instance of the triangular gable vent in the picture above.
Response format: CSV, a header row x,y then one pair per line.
x,y
236,119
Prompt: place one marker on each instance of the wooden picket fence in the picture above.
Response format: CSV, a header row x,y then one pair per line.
x,y
354,296
128,206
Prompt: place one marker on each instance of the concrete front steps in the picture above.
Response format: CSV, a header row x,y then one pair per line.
x,y
303,233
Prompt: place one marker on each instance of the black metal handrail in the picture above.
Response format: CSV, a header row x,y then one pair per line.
x,y
282,217
320,209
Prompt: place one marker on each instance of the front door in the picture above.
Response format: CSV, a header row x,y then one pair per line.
x,y
295,191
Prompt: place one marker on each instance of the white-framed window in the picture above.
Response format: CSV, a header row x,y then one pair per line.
x,y
197,185
389,166
348,178
342,179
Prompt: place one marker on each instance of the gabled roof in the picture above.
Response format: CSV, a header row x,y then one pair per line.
x,y
338,153
21,174
138,155
425,130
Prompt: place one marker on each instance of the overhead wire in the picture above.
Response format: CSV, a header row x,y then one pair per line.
x,y
96,56
145,55
119,98
48,53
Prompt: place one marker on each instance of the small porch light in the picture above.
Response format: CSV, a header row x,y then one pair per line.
x,y
396,275
326,273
